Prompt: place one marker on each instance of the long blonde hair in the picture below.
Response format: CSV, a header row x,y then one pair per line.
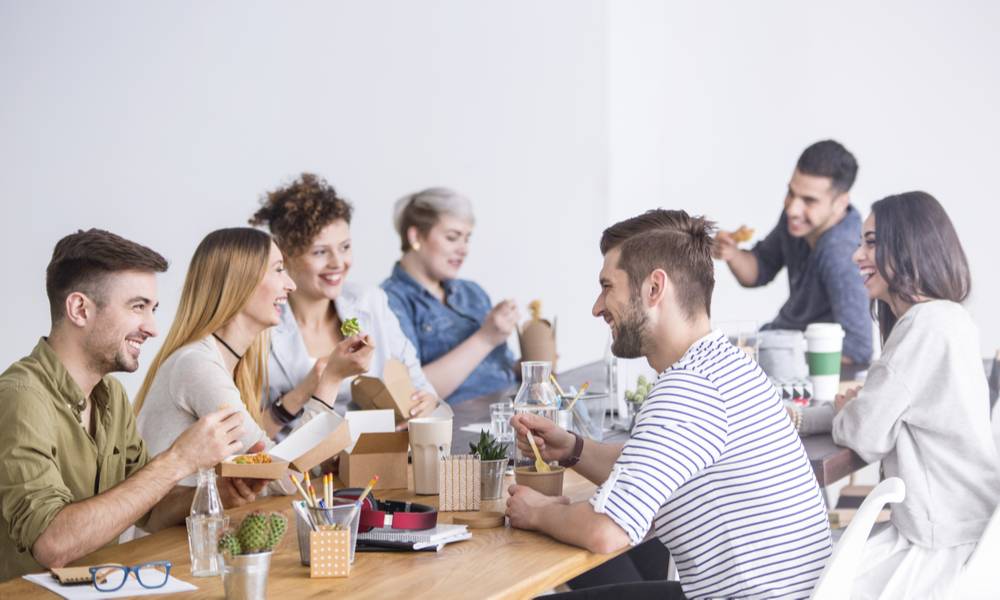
x,y
225,270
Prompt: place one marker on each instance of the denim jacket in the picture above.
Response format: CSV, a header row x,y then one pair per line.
x,y
435,328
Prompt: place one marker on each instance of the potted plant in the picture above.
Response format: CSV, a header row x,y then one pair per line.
x,y
636,398
246,554
493,464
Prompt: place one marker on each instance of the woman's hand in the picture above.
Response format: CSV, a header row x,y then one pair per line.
x,y
351,356
500,322
422,404
841,400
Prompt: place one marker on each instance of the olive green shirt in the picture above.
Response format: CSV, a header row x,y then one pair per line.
x,y
47,458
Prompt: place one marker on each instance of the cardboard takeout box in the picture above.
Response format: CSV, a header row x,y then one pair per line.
x,y
382,454
393,391
538,341
319,439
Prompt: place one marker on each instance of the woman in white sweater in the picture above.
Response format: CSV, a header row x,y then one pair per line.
x,y
924,409
216,351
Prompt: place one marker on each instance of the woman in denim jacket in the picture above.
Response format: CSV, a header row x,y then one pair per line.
x,y
460,337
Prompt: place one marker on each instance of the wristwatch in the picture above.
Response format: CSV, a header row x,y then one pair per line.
x,y
281,413
574,456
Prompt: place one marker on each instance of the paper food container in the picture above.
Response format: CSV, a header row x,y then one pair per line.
x,y
321,438
393,391
538,341
382,454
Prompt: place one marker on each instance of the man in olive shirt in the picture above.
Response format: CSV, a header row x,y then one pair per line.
x,y
74,474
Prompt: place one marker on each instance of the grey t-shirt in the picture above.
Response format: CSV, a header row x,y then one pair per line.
x,y
824,284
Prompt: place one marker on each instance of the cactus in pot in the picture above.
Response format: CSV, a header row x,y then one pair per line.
x,y
259,532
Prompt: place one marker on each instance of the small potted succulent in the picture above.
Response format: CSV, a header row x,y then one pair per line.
x,y
493,465
246,554
635,398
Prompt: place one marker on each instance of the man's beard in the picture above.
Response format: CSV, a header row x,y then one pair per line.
x,y
630,331
108,354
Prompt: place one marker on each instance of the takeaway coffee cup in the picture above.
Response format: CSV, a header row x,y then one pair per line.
x,y
430,439
824,342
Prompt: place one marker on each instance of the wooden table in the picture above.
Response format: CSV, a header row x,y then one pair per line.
x,y
495,563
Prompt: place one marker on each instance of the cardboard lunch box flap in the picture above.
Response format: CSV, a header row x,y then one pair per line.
x,y
393,391
396,442
321,438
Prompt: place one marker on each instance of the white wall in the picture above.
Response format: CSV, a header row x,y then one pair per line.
x,y
163,121
712,103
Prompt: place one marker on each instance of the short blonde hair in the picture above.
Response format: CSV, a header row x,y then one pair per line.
x,y
424,208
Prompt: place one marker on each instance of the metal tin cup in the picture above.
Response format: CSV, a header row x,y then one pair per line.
x,y
244,577
491,478
343,512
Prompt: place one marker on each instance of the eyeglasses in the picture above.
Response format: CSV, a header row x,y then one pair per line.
x,y
110,578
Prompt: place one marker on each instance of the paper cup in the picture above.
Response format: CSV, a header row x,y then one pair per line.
x,y
549,484
824,343
430,439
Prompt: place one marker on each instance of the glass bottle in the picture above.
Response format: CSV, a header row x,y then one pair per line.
x,y
536,396
611,370
205,525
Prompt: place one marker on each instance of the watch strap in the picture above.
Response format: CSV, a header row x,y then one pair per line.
x,y
574,457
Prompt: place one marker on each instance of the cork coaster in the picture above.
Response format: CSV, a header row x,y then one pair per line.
x,y
480,520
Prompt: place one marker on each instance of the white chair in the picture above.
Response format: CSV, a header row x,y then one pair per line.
x,y
837,579
978,579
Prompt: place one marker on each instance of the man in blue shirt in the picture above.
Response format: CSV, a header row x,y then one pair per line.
x,y
814,238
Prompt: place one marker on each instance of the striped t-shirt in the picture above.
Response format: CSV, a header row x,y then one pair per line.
x,y
716,468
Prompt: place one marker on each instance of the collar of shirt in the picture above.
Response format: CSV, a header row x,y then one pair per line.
x,y
65,389
456,295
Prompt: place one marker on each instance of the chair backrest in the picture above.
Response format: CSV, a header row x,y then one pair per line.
x,y
837,579
978,579
994,380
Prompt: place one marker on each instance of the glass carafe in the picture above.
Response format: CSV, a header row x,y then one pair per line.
x,y
536,396
206,523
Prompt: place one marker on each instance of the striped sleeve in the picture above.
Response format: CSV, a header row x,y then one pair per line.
x,y
680,431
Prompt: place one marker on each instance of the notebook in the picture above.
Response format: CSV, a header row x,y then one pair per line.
x,y
443,533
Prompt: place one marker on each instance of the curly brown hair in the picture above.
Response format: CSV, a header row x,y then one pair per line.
x,y
297,212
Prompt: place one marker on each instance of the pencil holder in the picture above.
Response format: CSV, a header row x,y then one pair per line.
x,y
330,553
458,482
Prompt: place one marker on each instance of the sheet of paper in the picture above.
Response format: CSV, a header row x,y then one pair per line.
x,y
88,592
477,427
369,421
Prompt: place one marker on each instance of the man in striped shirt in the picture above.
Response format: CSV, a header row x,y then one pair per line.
x,y
713,467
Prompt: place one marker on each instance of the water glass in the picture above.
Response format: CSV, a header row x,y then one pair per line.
x,y
203,540
500,416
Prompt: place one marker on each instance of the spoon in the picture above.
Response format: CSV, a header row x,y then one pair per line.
x,y
540,465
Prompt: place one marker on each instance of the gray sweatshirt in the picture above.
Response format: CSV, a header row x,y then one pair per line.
x,y
924,412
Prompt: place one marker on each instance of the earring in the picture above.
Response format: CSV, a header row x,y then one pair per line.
x,y
415,245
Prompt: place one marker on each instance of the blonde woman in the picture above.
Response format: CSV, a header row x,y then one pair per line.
x,y
216,352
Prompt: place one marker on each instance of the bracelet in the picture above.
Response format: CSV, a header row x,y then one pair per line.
x,y
574,457
797,419
281,414
321,401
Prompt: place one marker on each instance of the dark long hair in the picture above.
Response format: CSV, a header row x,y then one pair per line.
x,y
918,253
